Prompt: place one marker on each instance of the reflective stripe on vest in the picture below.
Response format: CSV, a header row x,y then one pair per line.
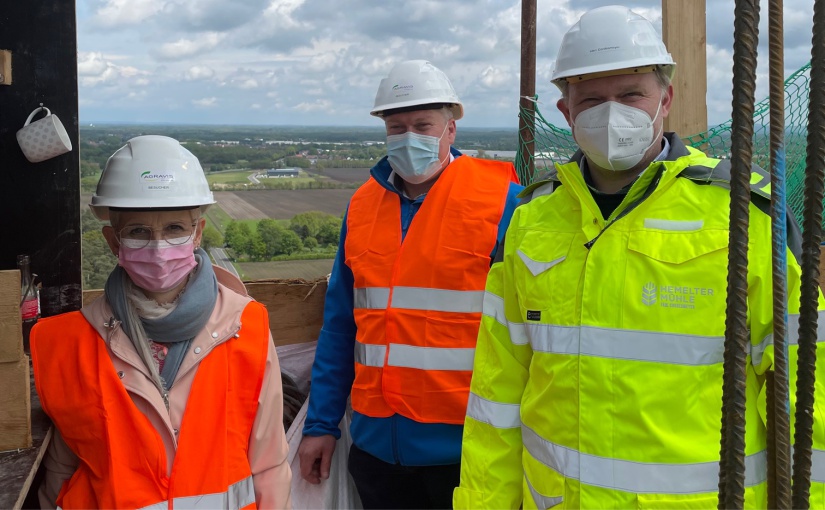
x,y
818,466
497,414
494,308
370,355
430,358
541,500
375,298
792,334
638,477
419,298
694,350
417,301
237,496
423,358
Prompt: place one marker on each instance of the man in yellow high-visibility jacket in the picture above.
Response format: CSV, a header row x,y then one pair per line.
x,y
598,370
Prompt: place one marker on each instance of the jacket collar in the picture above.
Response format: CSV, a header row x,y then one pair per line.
x,y
661,171
222,324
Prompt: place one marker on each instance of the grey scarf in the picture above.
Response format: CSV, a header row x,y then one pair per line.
x,y
178,328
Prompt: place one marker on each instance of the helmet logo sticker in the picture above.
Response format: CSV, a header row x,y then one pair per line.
x,y
402,90
156,181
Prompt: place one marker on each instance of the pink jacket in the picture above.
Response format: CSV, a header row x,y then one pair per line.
x,y
268,449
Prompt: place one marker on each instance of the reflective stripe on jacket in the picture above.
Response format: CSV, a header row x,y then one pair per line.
x,y
417,306
122,457
598,374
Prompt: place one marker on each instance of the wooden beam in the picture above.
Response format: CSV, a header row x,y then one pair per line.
x,y
527,115
5,67
684,32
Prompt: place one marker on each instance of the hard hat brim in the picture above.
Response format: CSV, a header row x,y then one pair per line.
x,y
608,70
414,105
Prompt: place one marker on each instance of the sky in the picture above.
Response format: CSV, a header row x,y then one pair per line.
x,y
319,62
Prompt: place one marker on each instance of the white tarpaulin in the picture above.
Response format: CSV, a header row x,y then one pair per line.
x,y
338,491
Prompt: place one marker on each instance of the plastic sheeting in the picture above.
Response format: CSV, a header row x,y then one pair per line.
x,y
338,491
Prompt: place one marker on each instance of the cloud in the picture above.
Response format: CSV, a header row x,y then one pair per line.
x,y
301,61
496,78
183,48
212,15
206,102
93,69
249,83
315,106
195,73
119,13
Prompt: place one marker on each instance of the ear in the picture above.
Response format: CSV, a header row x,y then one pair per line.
x,y
561,104
451,131
667,100
111,239
199,232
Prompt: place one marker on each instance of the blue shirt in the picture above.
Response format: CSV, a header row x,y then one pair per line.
x,y
395,439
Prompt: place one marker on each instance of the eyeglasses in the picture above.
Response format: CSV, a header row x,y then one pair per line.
x,y
138,236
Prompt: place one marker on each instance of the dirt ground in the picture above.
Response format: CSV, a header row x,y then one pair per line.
x,y
356,175
238,208
283,204
306,269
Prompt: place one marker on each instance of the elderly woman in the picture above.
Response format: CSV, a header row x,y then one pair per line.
x,y
166,391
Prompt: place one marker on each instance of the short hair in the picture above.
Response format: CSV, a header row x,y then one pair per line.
x,y
448,113
661,73
448,108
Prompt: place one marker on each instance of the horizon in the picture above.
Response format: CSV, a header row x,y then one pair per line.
x,y
97,124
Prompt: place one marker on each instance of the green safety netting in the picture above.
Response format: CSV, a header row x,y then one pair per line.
x,y
554,144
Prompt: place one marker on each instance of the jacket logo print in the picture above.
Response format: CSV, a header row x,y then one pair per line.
x,y
649,294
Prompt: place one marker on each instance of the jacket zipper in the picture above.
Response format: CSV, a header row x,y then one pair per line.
x,y
114,324
627,210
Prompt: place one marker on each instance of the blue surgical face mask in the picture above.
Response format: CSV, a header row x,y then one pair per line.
x,y
414,157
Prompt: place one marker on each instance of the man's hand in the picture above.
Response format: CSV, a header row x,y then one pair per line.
x,y
315,455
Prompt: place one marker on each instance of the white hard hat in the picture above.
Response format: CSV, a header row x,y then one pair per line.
x,y
151,172
416,83
607,39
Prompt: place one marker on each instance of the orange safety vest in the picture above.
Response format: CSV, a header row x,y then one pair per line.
x,y
122,457
417,305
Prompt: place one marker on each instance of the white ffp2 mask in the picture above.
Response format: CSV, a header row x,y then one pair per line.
x,y
614,136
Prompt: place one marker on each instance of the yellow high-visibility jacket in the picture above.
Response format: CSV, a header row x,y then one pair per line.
x,y
597,380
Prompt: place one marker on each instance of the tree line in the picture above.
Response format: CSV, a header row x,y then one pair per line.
x,y
312,231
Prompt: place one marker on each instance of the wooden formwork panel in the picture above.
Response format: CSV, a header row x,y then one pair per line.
x,y
15,405
296,307
11,333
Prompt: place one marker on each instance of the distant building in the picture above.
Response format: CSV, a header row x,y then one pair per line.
x,y
490,154
282,172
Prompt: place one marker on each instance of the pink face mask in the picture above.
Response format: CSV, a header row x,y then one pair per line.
x,y
158,266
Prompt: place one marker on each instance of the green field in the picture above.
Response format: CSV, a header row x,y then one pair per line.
x,y
306,269
240,177
218,218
